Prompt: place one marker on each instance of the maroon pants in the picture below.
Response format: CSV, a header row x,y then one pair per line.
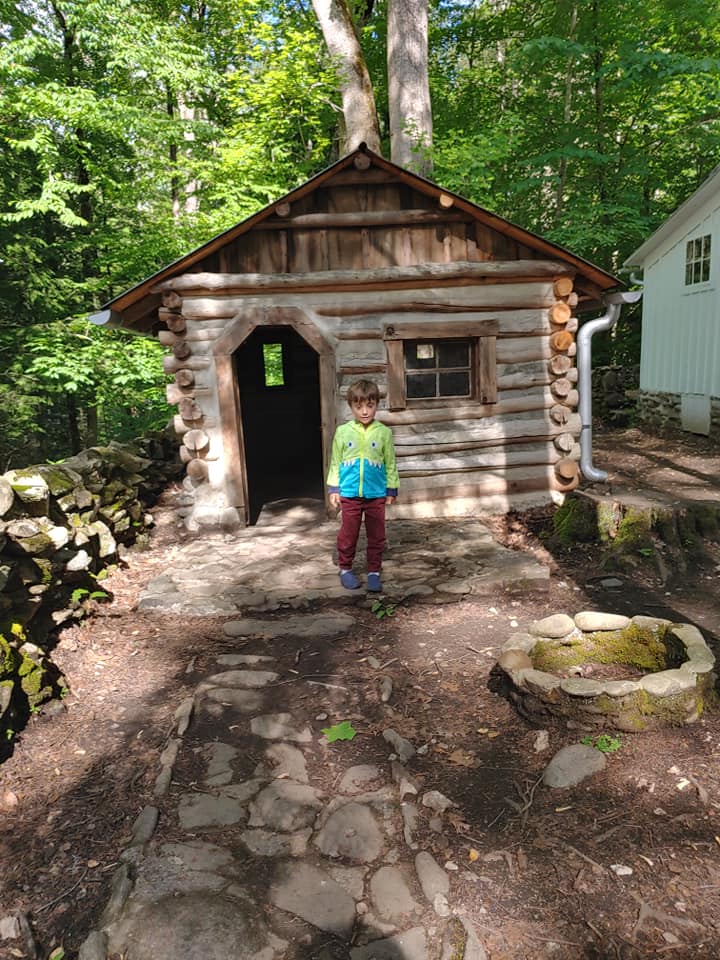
x,y
353,509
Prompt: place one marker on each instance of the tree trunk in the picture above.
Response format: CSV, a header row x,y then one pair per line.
x,y
358,99
408,86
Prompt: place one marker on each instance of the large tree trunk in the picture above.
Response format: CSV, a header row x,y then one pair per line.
x,y
408,87
358,99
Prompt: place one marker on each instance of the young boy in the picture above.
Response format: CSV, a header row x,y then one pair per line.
x,y
361,480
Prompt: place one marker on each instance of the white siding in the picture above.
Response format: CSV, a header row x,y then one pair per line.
x,y
681,325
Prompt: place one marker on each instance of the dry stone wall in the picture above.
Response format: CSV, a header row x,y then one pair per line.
x,y
61,525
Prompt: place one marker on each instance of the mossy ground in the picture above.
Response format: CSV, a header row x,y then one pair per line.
x,y
633,646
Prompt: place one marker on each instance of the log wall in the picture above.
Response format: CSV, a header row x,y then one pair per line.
x,y
454,457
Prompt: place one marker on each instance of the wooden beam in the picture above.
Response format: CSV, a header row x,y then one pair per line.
x,y
363,218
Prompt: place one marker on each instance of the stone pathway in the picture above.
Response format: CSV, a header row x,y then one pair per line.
x,y
250,858
286,560
266,865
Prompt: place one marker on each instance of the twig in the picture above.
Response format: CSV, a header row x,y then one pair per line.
x,y
329,686
583,856
570,943
51,903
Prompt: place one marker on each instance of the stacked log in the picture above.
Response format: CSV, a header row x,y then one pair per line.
x,y
564,377
185,391
61,526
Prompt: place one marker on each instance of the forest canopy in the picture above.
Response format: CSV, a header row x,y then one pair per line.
x,y
134,131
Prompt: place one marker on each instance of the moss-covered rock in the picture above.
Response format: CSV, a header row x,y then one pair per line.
x,y
574,522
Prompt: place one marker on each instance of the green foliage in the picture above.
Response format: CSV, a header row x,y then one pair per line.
x,y
604,742
132,132
382,609
340,731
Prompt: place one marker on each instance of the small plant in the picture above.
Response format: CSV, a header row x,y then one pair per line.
x,y
340,731
81,593
381,609
604,743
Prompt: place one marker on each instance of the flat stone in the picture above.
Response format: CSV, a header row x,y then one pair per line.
x,y
220,756
474,950
519,641
591,621
410,945
201,810
354,778
241,659
407,784
351,879
248,679
263,843
286,761
667,683
431,875
244,701
279,726
196,855
285,805
455,586
409,813
198,926
650,623
391,895
512,660
537,681
351,832
688,634
318,627
700,659
582,687
244,791
554,627
313,895
573,764
402,747
620,688
611,583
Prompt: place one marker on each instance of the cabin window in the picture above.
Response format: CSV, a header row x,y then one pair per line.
x,y
697,260
273,365
431,364
438,368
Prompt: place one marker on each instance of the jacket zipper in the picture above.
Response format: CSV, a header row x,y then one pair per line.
x,y
362,462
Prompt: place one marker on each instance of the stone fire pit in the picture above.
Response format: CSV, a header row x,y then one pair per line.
x,y
604,670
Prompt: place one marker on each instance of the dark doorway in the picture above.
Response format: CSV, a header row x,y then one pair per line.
x,y
279,379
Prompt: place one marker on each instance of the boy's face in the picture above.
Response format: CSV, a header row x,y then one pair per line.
x,y
364,410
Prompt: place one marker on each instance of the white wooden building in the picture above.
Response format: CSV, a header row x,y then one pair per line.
x,y
680,348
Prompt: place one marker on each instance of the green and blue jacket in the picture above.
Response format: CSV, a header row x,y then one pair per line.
x,y
363,461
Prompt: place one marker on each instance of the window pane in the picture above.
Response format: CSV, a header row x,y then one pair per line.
x,y
688,274
706,245
706,269
689,250
698,248
421,385
273,363
454,384
419,357
696,271
454,353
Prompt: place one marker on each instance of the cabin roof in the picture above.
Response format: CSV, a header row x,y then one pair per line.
x,y
677,220
130,309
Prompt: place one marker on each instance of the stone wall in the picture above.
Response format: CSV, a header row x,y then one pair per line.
x,y
659,410
61,526
613,389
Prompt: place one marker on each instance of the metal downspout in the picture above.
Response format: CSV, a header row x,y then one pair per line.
x,y
588,330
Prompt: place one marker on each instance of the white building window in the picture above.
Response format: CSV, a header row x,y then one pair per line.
x,y
697,260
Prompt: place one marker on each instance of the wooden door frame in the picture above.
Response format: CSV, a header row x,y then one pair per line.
x,y
228,388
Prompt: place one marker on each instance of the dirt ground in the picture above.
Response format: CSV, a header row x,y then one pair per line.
x,y
538,869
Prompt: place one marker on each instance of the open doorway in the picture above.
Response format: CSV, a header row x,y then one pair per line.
x,y
279,381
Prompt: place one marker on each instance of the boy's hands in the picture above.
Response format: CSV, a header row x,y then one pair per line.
x,y
335,500
389,500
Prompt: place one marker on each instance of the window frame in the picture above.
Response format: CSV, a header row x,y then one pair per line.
x,y
482,335
691,260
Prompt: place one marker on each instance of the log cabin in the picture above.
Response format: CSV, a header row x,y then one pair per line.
x,y
465,320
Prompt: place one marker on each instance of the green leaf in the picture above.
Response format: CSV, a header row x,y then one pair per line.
x,y
57,954
340,731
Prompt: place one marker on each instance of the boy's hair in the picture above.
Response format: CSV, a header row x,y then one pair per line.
x,y
363,390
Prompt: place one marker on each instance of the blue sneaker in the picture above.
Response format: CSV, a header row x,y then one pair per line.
x,y
349,580
374,583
